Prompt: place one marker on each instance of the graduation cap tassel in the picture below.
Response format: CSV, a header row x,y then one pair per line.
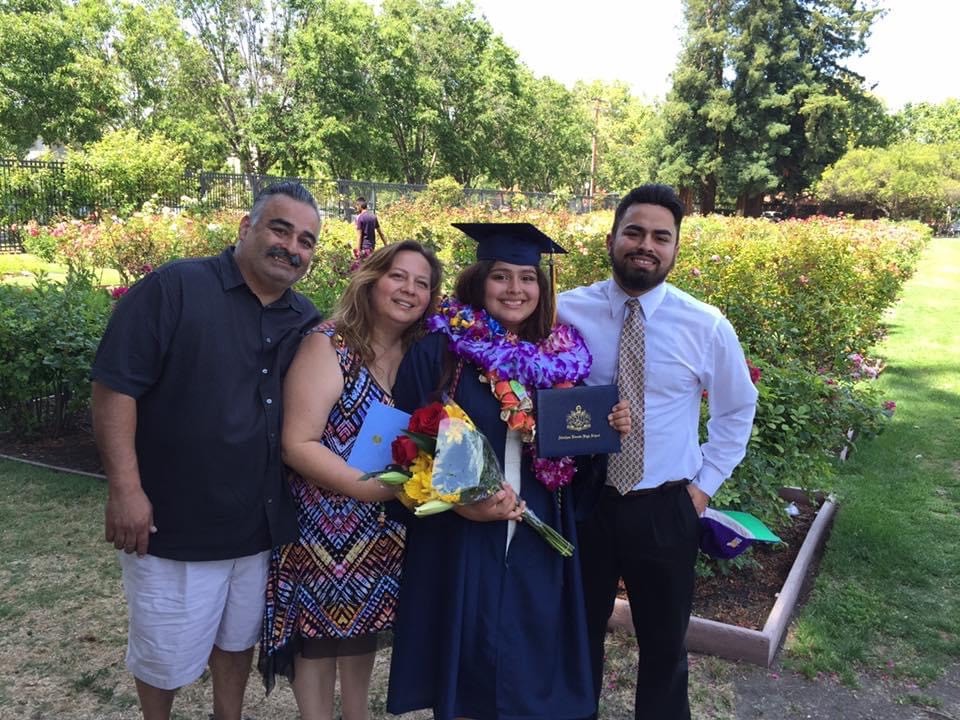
x,y
553,287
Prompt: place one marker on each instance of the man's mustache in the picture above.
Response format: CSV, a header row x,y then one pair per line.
x,y
279,252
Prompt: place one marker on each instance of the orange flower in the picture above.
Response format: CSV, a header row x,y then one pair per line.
x,y
518,420
508,399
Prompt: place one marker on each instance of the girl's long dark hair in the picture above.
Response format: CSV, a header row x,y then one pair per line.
x,y
471,289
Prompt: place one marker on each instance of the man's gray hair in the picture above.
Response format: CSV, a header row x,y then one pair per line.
x,y
291,188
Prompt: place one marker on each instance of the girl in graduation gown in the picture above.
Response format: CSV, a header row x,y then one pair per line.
x,y
490,619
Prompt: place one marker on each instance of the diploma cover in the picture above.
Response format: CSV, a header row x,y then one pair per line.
x,y
381,425
573,421
727,533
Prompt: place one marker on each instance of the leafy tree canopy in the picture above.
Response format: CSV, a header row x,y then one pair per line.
x,y
907,180
935,123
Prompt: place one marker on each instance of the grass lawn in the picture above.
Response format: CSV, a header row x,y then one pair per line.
x,y
63,621
887,599
23,269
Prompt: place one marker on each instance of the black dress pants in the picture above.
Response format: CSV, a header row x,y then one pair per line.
x,y
651,541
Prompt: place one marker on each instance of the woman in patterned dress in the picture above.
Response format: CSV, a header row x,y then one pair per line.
x,y
333,591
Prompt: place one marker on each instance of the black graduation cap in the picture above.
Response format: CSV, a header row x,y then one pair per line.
x,y
516,243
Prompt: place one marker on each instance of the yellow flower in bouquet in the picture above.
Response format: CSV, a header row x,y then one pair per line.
x,y
442,460
419,488
455,411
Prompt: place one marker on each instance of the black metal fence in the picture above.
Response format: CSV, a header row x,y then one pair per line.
x,y
42,190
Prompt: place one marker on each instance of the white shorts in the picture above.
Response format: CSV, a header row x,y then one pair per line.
x,y
179,610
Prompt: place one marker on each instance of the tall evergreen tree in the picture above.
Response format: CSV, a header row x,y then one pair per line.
x,y
762,101
793,95
699,107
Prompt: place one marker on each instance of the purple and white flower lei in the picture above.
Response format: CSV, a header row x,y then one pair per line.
x,y
478,338
559,358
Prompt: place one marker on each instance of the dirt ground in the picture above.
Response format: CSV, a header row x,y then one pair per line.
x,y
720,690
775,694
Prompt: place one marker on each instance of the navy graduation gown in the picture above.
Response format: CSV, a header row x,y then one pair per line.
x,y
481,632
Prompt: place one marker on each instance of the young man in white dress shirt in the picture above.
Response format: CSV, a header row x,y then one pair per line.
x,y
650,535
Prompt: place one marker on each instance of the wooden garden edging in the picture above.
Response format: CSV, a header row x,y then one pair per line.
x,y
754,646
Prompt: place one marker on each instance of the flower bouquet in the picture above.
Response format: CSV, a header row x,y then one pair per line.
x,y
442,460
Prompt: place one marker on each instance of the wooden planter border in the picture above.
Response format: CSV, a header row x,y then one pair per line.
x,y
754,646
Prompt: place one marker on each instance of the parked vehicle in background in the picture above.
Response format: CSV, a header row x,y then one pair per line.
x,y
953,229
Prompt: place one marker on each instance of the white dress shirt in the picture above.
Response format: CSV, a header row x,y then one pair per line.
x,y
511,472
690,347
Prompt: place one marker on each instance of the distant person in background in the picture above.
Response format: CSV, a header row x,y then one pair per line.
x,y
368,227
186,414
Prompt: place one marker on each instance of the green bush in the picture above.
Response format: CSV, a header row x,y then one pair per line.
x,y
136,244
441,193
802,423
907,180
40,240
48,337
29,193
330,269
124,170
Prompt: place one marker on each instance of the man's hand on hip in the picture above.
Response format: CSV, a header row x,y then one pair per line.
x,y
699,497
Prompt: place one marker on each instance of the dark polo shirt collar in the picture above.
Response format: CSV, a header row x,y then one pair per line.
x,y
231,278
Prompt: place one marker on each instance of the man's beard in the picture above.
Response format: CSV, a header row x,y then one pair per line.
x,y
639,280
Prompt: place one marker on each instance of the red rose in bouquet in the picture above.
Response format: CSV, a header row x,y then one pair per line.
x,y
442,460
404,450
427,419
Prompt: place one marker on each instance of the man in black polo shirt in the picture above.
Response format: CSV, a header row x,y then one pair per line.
x,y
187,413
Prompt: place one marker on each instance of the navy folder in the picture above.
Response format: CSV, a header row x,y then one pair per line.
x,y
573,421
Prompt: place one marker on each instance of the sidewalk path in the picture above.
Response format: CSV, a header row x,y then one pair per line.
x,y
776,694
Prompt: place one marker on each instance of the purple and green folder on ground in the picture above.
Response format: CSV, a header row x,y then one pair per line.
x,y
727,533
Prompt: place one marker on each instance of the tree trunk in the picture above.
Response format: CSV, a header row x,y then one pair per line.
x,y
708,195
749,205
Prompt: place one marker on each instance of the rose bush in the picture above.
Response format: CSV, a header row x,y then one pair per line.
x,y
807,298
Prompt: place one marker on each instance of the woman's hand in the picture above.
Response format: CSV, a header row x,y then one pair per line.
x,y
502,505
619,418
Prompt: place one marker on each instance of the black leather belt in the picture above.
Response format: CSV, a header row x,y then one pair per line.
x,y
663,487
